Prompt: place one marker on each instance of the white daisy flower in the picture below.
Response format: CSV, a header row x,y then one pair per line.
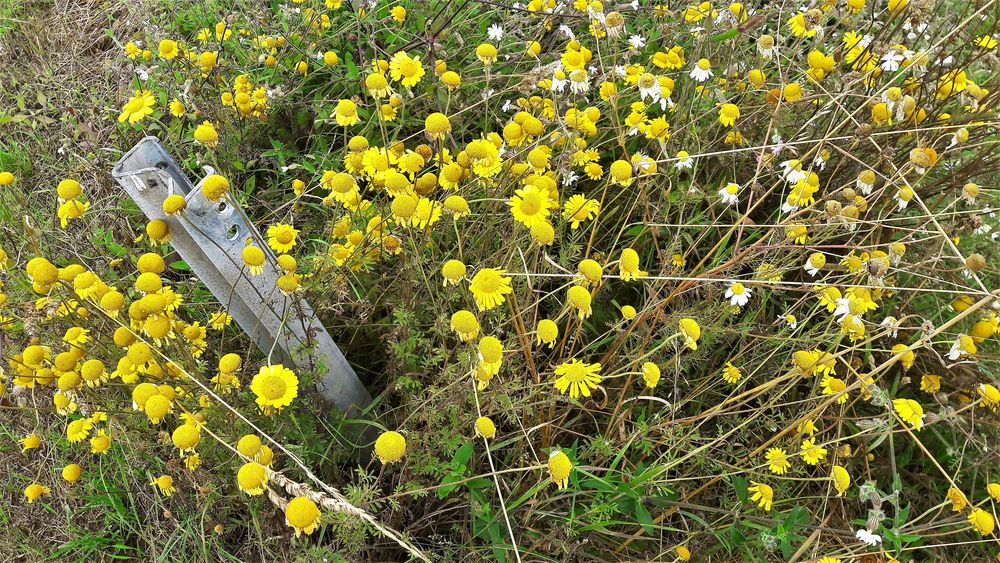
x,y
495,32
643,164
865,187
729,193
963,346
903,196
637,42
811,267
683,161
738,294
792,171
649,87
891,60
869,538
559,81
579,82
843,308
702,71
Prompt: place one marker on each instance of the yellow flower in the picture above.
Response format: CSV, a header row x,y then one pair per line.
x,y
579,298
951,82
628,266
30,442
139,106
731,373
33,491
72,209
530,205
252,478
777,460
490,350
930,383
405,69
800,27
834,386
275,387
621,173
78,430
206,134
982,521
547,332
254,259
485,428
398,13
986,42
807,426
219,320
797,233
909,411
488,288
577,378
465,325
896,6
426,214
560,467
207,61
390,447
811,453
164,484
578,209
841,479
691,332
281,237
486,53
100,443
994,490
346,113
215,187
590,271
71,473
728,114
958,500
437,125
763,495
377,85
303,515
990,396
168,49
177,108
650,374
186,437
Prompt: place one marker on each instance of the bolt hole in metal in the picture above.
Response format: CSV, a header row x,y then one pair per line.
x,y
233,232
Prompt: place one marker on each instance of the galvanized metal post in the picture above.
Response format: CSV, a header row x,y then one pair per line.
x,y
210,237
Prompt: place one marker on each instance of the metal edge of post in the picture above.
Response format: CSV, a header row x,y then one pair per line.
x,y
148,174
